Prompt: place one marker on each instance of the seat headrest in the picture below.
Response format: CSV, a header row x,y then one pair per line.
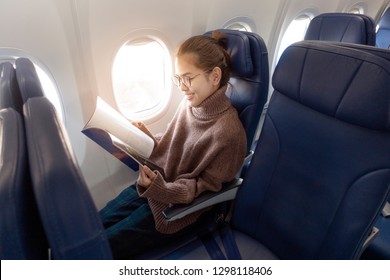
x,y
238,47
28,80
9,89
342,27
72,224
309,70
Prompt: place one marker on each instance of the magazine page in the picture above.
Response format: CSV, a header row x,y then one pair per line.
x,y
137,157
108,119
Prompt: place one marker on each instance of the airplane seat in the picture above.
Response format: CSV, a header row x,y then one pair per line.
x,y
383,32
69,216
21,232
9,90
379,247
28,80
342,27
249,77
248,93
320,173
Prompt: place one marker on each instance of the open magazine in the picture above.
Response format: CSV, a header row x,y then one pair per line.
x,y
114,133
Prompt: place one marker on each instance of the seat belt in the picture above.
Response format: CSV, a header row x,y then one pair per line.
x,y
211,246
228,241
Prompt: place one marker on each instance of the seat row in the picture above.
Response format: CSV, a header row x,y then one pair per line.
x,y
360,30
350,28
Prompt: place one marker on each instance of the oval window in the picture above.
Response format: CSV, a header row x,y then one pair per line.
x,y
140,78
295,32
241,24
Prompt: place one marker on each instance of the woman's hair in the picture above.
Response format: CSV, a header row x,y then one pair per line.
x,y
210,52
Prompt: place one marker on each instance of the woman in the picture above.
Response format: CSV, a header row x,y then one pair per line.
x,y
203,146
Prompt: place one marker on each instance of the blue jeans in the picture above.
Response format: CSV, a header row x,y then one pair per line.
x,y
130,226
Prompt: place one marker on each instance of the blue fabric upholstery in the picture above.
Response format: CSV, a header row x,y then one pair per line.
x,y
70,219
379,248
9,90
383,32
321,170
249,79
27,77
21,232
342,27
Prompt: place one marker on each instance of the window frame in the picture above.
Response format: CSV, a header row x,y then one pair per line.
x,y
361,7
245,22
155,112
309,13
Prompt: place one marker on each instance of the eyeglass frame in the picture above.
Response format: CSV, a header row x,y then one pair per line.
x,y
179,80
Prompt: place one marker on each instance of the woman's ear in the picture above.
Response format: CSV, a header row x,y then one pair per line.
x,y
216,75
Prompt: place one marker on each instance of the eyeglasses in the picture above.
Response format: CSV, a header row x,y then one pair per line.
x,y
186,80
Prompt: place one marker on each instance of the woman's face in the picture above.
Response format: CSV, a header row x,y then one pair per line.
x,y
195,83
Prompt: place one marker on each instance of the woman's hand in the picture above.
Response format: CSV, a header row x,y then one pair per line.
x,y
141,126
146,176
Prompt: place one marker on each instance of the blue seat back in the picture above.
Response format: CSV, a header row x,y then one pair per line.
x,y
321,170
28,80
379,248
249,78
383,32
21,232
69,216
342,27
9,90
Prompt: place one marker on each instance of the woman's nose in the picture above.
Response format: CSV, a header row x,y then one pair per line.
x,y
183,87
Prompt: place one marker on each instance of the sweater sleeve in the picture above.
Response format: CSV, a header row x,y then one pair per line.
x,y
181,191
222,168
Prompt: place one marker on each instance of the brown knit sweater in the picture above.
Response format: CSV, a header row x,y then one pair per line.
x,y
202,147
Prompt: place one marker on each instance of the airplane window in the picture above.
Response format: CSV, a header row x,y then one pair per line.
x,y
139,78
295,32
238,26
356,10
241,24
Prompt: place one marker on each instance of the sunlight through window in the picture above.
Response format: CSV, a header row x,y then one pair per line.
x,y
295,32
139,78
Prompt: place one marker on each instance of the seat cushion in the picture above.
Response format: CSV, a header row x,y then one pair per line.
x,y
249,248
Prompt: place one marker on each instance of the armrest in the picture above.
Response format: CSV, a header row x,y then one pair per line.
x,y
386,210
248,158
245,164
228,192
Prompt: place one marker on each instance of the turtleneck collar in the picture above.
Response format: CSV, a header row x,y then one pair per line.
x,y
214,105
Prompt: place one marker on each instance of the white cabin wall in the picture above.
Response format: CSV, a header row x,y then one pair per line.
x,y
37,29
